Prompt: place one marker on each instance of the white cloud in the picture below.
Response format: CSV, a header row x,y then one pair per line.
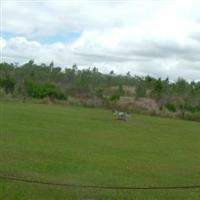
x,y
20,50
2,43
159,38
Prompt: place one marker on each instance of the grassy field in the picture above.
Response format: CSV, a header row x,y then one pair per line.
x,y
88,146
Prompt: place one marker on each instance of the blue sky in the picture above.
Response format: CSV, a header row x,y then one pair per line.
x,y
65,37
157,38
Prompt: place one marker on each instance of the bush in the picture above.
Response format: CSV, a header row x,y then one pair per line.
x,y
114,97
171,107
99,93
140,91
40,91
192,116
8,85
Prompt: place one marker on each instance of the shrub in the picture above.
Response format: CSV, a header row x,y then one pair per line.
x,y
171,107
114,97
40,91
7,84
140,91
192,116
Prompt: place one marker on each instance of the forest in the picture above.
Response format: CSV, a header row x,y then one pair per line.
x,y
89,87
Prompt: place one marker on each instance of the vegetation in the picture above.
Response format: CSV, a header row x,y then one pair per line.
x,y
43,142
37,90
89,87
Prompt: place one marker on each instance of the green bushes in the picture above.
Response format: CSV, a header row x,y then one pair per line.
x,y
192,116
115,97
140,91
171,107
7,84
38,90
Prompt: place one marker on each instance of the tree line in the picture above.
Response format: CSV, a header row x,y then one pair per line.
x,y
39,81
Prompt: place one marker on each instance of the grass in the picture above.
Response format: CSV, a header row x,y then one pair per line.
x,y
88,146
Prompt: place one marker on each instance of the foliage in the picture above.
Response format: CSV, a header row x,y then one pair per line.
x,y
171,107
43,80
140,91
37,90
115,97
7,84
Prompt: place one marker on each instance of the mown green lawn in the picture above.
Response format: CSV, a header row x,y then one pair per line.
x,y
89,146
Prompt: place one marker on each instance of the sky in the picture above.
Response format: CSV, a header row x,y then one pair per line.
x,y
160,38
